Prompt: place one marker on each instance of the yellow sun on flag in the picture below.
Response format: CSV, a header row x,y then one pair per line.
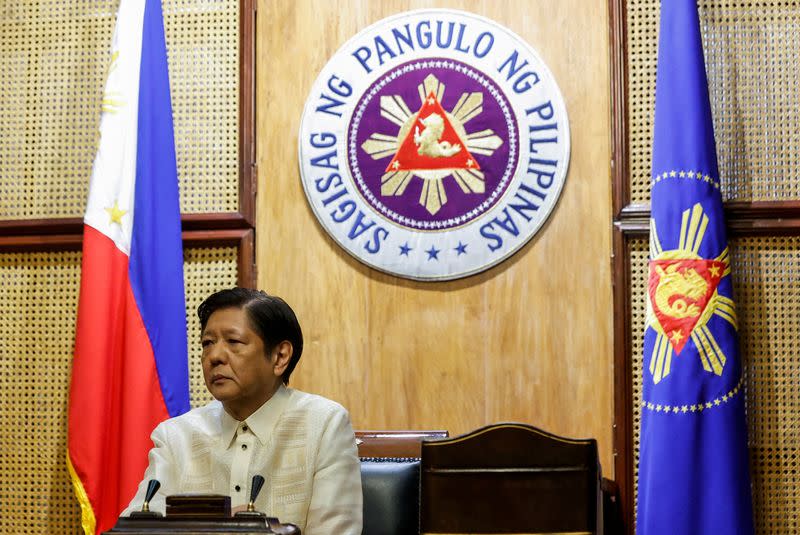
x,y
683,297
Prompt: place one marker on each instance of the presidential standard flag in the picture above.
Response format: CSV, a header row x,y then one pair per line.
x,y
130,369
693,462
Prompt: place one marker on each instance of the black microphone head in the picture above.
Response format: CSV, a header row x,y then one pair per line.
x,y
152,487
258,482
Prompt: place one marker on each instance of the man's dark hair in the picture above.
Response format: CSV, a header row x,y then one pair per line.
x,y
270,317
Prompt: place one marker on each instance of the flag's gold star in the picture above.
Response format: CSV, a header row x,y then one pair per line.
x,y
395,164
672,174
691,174
676,336
116,213
431,100
682,174
714,270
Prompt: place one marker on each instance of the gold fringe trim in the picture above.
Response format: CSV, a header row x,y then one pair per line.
x,y
87,513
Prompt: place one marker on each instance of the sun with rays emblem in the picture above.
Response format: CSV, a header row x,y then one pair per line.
x,y
682,297
432,144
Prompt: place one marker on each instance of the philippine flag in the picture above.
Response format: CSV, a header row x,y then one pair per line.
x,y
130,369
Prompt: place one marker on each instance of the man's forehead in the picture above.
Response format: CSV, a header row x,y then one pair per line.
x,y
225,328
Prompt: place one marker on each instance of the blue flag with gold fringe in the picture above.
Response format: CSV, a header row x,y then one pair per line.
x,y
693,461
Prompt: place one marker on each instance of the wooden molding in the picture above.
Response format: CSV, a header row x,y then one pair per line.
x,y
620,268
620,165
74,225
248,172
41,242
247,272
623,376
759,218
74,241
212,221
242,239
28,227
394,443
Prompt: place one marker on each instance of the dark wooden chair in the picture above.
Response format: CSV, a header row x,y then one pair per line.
x,y
390,479
510,478
394,443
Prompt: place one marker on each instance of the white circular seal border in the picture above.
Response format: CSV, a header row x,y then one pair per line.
x,y
499,232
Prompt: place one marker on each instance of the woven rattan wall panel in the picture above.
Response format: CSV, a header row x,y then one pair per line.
x,y
754,84
203,48
767,285
38,300
766,274
642,50
53,61
205,272
638,258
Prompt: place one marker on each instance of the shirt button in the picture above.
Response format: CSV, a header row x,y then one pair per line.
x,y
244,446
244,428
237,488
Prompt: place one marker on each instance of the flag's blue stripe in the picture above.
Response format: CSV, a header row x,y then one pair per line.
x,y
669,200
156,260
681,93
693,466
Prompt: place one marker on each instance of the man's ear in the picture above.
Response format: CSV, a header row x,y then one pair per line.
x,y
282,355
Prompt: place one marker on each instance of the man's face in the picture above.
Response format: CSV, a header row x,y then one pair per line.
x,y
236,367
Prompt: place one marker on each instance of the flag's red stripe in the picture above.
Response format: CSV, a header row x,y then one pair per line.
x,y
115,397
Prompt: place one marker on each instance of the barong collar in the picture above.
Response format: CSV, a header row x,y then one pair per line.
x,y
261,423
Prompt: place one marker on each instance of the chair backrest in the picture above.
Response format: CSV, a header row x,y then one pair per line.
x,y
390,479
510,478
391,495
395,443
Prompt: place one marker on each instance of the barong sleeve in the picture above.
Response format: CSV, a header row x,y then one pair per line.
x,y
160,466
336,500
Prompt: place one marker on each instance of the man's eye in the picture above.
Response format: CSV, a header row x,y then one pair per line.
x,y
206,343
234,341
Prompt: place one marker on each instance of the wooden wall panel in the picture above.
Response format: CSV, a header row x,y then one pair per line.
x,y
529,340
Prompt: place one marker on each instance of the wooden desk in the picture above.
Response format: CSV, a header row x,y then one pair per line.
x,y
191,526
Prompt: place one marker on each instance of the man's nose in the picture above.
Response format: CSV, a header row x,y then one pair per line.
x,y
217,354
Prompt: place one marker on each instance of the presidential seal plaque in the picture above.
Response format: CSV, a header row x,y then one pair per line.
x,y
434,144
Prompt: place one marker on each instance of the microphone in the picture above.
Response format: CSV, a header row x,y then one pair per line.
x,y
152,487
255,488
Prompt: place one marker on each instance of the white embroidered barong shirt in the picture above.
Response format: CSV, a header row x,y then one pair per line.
x,y
302,444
